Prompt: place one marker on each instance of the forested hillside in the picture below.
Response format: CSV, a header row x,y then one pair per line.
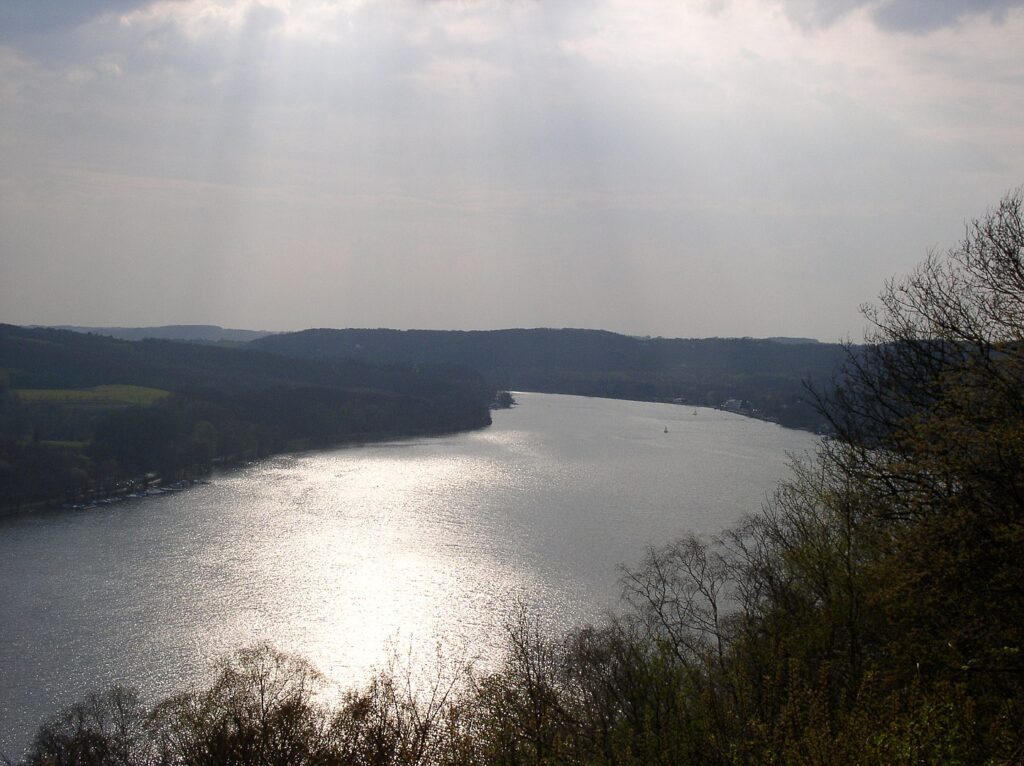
x,y
81,414
766,377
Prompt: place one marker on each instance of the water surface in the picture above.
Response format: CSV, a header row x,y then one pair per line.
x,y
334,554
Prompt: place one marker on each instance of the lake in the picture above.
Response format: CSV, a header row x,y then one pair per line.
x,y
338,555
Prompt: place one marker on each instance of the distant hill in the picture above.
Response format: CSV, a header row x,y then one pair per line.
x,y
190,332
762,377
793,341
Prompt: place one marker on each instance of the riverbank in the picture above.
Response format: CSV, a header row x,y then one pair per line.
x,y
152,484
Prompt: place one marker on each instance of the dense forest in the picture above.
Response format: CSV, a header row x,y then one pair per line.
x,y
872,612
766,378
85,416
769,378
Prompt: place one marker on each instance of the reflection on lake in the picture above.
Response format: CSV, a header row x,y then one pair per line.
x,y
331,554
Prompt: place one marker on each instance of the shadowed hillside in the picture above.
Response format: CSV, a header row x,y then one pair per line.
x,y
763,377
84,415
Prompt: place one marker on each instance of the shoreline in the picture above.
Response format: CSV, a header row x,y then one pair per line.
x,y
153,485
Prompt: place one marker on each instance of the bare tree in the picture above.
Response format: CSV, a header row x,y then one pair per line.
x,y
679,594
106,729
262,710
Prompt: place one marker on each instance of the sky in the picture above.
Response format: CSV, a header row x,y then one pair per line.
x,y
682,168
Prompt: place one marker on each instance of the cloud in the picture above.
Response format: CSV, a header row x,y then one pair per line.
x,y
647,157
910,16
31,17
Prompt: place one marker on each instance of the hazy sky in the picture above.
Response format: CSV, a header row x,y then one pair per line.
x,y
686,168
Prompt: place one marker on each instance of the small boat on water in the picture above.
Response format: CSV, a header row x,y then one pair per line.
x,y
666,429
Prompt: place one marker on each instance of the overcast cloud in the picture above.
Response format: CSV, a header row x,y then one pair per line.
x,y
714,167
909,16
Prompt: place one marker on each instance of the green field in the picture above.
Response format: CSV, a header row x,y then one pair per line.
x,y
64,444
97,395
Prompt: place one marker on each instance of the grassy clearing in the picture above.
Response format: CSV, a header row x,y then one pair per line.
x,y
97,395
64,444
